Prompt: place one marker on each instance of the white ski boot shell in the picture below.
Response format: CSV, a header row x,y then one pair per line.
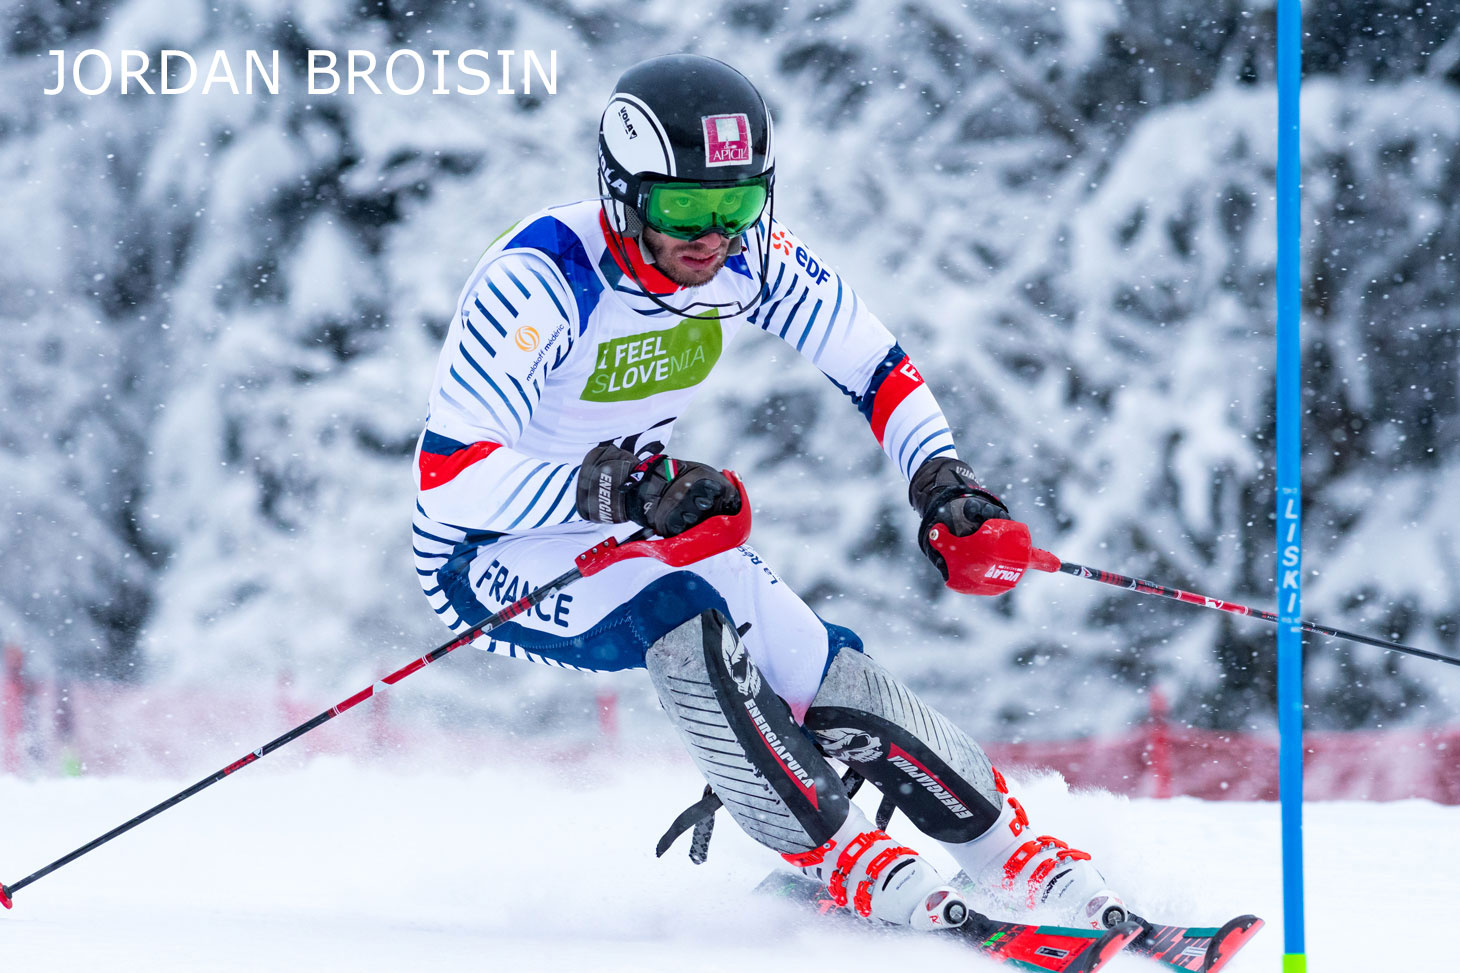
x,y
1053,876
870,873
1038,875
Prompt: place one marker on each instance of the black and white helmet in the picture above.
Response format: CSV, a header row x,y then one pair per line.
x,y
679,117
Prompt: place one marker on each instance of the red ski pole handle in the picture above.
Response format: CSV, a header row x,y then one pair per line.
x,y
713,536
989,561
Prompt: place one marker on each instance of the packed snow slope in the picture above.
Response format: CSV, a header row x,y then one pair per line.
x,y
528,866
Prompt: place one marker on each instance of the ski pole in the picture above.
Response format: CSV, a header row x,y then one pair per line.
x,y
1003,550
1045,561
713,536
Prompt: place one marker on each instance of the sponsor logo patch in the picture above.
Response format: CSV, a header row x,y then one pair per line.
x,y
642,365
727,139
608,176
920,775
623,114
527,338
605,497
804,781
849,744
815,273
737,662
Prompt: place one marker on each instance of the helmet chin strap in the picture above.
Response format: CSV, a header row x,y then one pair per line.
x,y
631,226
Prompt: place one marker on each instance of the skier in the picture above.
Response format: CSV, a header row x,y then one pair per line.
x,y
579,338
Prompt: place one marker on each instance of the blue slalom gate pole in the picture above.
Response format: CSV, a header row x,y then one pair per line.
x,y
1289,481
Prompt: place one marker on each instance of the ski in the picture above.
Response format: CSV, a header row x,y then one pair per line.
x,y
1202,949
1055,949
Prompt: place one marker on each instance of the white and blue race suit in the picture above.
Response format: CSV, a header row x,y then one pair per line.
x,y
554,349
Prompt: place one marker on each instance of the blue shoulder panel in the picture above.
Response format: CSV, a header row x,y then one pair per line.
x,y
553,238
737,264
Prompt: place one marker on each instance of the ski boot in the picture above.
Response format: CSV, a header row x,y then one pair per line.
x,y
1050,876
1040,875
869,872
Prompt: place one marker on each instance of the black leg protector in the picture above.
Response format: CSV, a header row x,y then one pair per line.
x,y
931,770
766,770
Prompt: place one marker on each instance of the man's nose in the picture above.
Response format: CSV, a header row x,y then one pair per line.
x,y
711,240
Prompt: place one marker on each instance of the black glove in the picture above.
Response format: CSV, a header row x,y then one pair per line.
x,y
943,491
668,495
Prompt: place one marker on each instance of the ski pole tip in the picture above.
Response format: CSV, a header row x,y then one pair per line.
x,y
5,897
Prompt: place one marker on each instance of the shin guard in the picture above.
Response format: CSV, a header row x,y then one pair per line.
x,y
943,781
765,769
931,771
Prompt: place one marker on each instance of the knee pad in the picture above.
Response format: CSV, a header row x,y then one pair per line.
x,y
931,771
768,773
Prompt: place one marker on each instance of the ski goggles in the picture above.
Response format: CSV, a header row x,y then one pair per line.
x,y
687,210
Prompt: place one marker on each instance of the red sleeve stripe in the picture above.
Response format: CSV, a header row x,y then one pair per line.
x,y
901,382
438,470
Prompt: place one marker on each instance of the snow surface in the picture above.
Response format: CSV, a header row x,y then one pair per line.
x,y
344,864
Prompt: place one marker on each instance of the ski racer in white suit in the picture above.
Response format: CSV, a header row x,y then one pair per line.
x,y
580,337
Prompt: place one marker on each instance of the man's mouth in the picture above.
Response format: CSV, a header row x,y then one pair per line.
x,y
700,262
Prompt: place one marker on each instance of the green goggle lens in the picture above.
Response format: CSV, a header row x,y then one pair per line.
x,y
687,209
